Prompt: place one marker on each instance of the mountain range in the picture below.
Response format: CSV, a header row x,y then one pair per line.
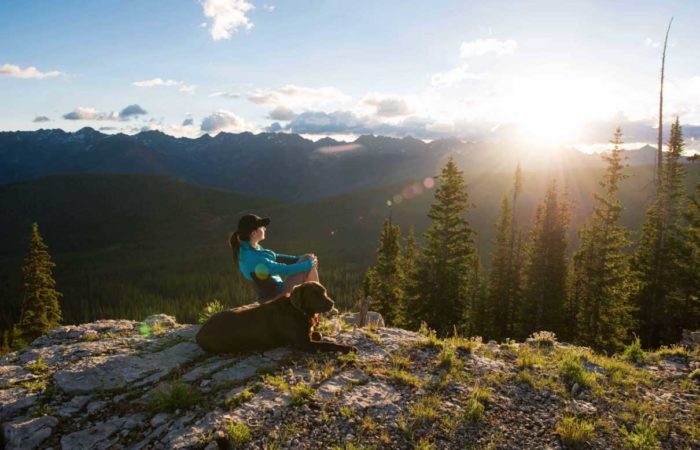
x,y
274,165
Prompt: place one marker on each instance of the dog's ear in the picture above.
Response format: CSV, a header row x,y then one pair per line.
x,y
296,296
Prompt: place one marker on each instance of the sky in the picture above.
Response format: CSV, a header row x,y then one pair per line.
x,y
543,72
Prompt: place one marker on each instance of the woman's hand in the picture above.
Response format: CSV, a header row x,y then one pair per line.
x,y
315,260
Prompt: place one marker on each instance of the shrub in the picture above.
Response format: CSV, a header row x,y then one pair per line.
x,y
575,432
238,434
209,310
178,396
544,338
634,353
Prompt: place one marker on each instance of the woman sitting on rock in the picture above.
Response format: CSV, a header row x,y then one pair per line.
x,y
265,268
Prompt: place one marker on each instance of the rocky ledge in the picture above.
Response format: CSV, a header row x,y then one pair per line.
x,y
116,384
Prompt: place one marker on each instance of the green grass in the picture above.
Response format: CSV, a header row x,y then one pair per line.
x,y
209,310
403,376
35,385
544,338
346,411
301,394
642,436
572,371
473,410
242,397
37,367
674,351
694,375
424,411
575,432
634,353
276,381
481,394
238,433
528,359
178,395
525,377
447,357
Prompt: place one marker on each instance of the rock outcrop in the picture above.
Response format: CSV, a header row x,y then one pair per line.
x,y
116,384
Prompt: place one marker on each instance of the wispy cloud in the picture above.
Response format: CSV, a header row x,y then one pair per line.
x,y
649,42
451,77
11,70
268,8
227,17
481,47
155,82
225,121
39,119
292,96
225,94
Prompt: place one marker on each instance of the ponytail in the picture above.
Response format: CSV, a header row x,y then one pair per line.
x,y
234,241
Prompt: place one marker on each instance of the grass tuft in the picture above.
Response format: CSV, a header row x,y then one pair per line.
x,y
575,432
238,434
473,410
37,367
178,396
634,353
209,310
642,436
301,394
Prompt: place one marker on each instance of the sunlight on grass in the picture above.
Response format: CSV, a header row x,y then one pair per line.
x,y
575,432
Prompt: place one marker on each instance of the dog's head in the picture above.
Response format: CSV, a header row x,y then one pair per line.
x,y
311,297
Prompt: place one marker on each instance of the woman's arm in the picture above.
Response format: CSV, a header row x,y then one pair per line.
x,y
267,266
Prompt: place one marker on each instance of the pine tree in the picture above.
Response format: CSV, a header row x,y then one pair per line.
x,y
385,278
658,261
410,255
505,278
546,271
40,309
444,276
600,298
5,348
691,266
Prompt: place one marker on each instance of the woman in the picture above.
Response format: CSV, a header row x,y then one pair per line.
x,y
263,267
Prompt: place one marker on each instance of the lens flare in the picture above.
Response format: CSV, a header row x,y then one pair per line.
x,y
398,199
429,183
417,188
144,330
388,203
407,192
262,272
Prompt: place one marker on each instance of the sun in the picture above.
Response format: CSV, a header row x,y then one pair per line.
x,y
550,106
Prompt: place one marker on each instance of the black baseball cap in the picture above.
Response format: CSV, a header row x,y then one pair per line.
x,y
250,222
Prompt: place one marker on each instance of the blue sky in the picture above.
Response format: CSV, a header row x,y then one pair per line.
x,y
476,70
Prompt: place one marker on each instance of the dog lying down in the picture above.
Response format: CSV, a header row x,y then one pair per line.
x,y
286,320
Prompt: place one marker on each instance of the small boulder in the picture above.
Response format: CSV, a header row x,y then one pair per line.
x,y
373,319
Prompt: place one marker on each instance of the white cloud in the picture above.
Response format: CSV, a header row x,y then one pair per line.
x,y
268,8
450,77
156,82
187,88
225,94
292,96
225,121
481,47
227,17
282,113
83,113
14,71
387,106
651,43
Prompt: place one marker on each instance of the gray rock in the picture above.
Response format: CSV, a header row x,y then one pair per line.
x,y
113,372
12,374
373,394
14,400
334,385
592,367
101,436
373,319
73,406
243,369
28,434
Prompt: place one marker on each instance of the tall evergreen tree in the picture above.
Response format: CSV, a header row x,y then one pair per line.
x,y
40,310
444,276
600,298
546,271
658,262
385,278
691,266
505,278
409,261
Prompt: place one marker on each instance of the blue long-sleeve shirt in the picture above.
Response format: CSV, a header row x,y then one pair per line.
x,y
262,266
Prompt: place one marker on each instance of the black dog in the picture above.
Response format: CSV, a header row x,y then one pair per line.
x,y
286,320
